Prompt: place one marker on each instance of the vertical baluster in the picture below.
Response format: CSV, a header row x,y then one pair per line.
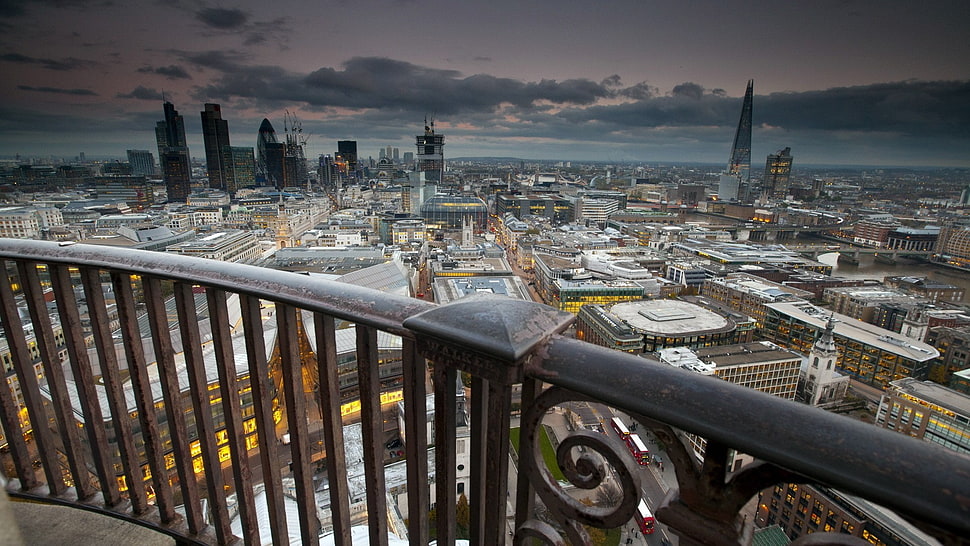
x,y
60,398
111,376
445,408
84,380
144,398
24,370
174,408
202,408
231,411
333,436
416,448
262,393
372,425
524,492
480,419
296,419
497,462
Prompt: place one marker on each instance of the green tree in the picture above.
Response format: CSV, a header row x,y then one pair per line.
x,y
463,517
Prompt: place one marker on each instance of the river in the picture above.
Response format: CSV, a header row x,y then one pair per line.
x,y
870,269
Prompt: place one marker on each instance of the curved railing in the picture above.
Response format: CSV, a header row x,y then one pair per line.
x,y
132,363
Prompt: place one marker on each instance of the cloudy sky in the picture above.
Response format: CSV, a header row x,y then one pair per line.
x,y
871,82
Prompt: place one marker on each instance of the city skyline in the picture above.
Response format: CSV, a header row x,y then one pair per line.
x,y
854,83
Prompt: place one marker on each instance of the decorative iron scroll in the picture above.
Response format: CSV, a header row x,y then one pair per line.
x,y
581,469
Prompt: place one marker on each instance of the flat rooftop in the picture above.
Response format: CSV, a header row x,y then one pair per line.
x,y
934,393
669,317
854,329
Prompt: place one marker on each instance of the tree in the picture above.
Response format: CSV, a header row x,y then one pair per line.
x,y
463,516
609,495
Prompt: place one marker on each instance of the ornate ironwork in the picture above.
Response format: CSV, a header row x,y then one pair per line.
x,y
580,468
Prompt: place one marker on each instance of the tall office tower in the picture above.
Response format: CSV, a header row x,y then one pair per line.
x,y
327,172
178,176
777,174
347,150
267,135
397,155
142,162
173,154
389,152
295,162
274,158
215,138
739,166
240,168
431,153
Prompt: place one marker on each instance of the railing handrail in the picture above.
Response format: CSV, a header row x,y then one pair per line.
x,y
923,481
892,469
346,301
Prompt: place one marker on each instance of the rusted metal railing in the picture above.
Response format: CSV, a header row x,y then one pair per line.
x,y
158,388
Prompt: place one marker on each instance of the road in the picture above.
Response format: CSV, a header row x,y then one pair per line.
x,y
654,482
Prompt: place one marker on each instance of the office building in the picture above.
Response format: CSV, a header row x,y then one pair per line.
x,y
173,154
800,509
869,354
346,158
142,163
748,294
135,191
554,207
215,138
431,153
926,410
240,168
228,246
777,175
451,211
266,137
735,181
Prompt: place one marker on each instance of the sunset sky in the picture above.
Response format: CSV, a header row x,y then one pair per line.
x,y
872,82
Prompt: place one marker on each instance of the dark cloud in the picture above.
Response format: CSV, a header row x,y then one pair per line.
x,y
142,93
172,72
222,19
377,82
17,8
688,89
69,63
58,90
224,61
940,108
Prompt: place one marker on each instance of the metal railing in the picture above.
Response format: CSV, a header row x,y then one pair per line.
x,y
118,414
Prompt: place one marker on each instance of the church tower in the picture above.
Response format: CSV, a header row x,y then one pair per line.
x,y
821,365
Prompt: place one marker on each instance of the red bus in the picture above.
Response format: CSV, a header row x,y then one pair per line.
x,y
620,428
644,518
639,451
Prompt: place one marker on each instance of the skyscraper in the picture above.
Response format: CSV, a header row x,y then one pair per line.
x,y
267,135
215,138
777,174
431,153
347,152
739,166
240,168
173,154
142,162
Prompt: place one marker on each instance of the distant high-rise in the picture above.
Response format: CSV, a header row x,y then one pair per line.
x,y
347,152
431,153
739,166
777,174
267,135
173,154
215,138
142,162
240,168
